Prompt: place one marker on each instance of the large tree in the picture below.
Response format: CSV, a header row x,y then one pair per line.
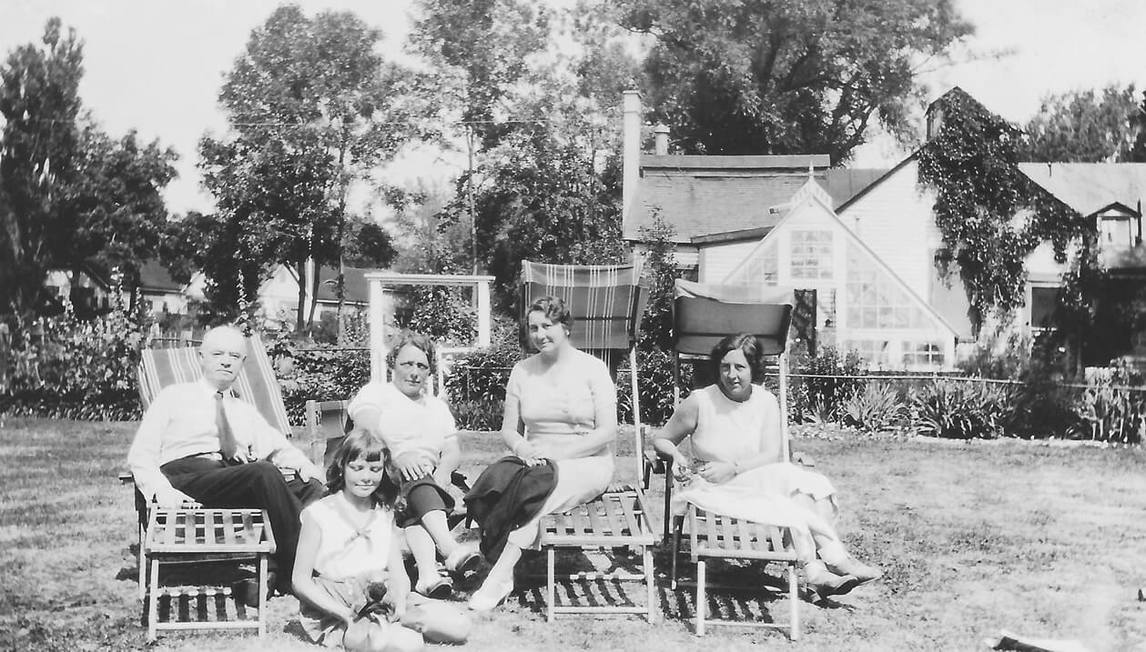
x,y
1085,127
479,50
536,90
313,108
71,197
787,76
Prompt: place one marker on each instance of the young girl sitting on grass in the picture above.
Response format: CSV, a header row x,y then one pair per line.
x,y
349,555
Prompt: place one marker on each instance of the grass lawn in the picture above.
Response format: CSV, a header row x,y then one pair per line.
x,y
974,538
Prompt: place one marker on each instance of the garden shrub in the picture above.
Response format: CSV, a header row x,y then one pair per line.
x,y
64,367
655,385
476,381
961,409
319,374
822,398
1106,413
874,408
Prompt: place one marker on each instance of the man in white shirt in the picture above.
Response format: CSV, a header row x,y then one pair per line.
x,y
199,445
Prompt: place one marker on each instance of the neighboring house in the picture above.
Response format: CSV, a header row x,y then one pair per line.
x,y
163,295
88,290
865,240
279,295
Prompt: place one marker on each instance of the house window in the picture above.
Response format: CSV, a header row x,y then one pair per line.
x,y
1044,301
923,354
762,268
1117,232
811,255
874,300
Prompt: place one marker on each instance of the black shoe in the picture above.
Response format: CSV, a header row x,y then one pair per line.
x,y
247,590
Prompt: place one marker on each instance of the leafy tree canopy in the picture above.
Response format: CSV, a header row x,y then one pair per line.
x,y
1086,127
312,108
787,76
71,196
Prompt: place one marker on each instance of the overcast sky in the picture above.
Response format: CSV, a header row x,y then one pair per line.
x,y
156,65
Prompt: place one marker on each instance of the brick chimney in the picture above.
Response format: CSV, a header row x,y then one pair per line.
x,y
661,139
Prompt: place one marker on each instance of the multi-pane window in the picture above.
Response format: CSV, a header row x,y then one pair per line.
x,y
761,269
875,301
811,255
922,354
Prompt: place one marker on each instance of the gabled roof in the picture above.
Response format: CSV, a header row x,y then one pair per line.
x,y
154,277
844,183
1091,187
701,195
816,199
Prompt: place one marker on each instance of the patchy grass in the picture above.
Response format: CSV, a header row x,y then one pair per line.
x,y
974,537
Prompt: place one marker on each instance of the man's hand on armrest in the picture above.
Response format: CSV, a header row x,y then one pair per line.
x,y
172,498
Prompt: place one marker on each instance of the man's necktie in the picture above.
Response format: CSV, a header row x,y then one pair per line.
x,y
228,445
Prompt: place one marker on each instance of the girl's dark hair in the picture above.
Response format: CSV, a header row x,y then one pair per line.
x,y
423,343
554,309
746,344
360,443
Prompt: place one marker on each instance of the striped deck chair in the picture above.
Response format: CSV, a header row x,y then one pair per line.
x,y
607,303
256,384
702,315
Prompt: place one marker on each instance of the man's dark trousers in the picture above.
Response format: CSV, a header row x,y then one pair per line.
x,y
257,485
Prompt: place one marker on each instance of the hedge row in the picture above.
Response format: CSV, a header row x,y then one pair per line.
x,y
66,368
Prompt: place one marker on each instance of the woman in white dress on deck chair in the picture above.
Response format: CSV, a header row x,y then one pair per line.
x,y
734,425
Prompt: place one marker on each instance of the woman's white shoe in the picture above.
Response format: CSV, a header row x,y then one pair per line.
x,y
489,596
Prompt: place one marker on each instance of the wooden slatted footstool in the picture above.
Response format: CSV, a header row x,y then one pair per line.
x,y
185,536
717,536
617,519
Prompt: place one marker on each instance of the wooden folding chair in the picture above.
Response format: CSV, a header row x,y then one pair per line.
x,y
702,315
257,385
607,302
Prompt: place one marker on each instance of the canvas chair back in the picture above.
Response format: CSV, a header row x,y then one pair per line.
x,y
606,302
256,383
704,314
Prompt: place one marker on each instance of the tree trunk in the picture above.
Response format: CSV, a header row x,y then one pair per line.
x,y
301,295
314,295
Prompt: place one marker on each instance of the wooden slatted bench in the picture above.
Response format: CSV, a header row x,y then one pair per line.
x,y
177,536
717,536
615,520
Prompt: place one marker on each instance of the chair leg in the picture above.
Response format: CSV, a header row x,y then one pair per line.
x,y
794,601
153,602
262,595
701,597
141,557
678,525
550,587
647,563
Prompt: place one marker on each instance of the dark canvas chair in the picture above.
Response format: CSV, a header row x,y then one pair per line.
x,y
702,315
607,303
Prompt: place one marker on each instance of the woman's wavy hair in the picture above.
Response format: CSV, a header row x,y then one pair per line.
x,y
420,341
746,344
554,309
360,443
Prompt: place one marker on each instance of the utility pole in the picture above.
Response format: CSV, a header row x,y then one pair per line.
x,y
470,199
